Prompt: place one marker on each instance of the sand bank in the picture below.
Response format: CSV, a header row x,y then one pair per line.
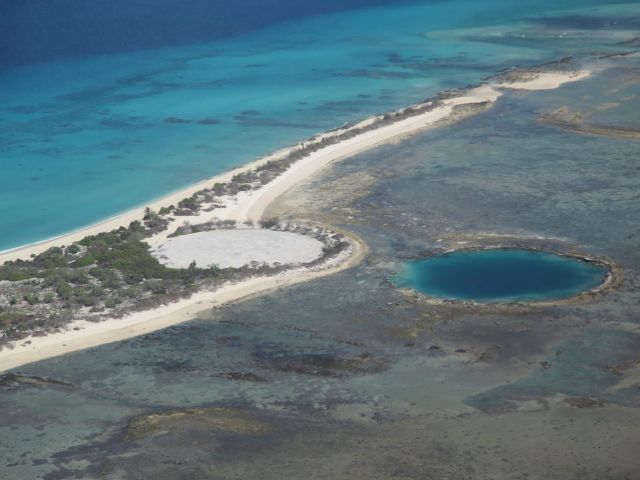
x,y
546,80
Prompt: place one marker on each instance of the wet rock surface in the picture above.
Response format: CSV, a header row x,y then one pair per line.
x,y
16,380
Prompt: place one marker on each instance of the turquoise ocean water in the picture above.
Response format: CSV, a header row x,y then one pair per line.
x,y
86,133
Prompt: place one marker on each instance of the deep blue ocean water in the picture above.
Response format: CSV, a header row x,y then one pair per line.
x,y
492,275
108,105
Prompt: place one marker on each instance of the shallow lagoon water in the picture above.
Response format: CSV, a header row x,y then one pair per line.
x,y
501,274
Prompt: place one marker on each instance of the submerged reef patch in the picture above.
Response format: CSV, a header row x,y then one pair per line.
x,y
321,364
223,420
15,380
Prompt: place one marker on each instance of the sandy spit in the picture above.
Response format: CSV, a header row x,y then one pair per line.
x,y
247,206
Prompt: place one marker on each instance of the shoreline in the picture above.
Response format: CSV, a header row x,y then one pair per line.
x,y
82,334
541,81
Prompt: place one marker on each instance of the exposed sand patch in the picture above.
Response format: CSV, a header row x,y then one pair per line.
x,y
546,80
236,248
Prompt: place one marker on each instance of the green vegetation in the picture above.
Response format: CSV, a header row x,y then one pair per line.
x,y
186,228
97,273
112,274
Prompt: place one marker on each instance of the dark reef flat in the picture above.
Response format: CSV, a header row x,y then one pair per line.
x,y
613,131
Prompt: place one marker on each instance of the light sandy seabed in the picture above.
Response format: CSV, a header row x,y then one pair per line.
x,y
245,206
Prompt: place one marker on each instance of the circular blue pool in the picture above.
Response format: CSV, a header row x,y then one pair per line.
x,y
501,275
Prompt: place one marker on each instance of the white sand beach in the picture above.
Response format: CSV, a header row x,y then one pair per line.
x,y
244,206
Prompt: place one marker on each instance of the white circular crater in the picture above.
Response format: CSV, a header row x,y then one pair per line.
x,y
236,248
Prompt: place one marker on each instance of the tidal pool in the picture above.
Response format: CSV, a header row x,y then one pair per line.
x,y
501,274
